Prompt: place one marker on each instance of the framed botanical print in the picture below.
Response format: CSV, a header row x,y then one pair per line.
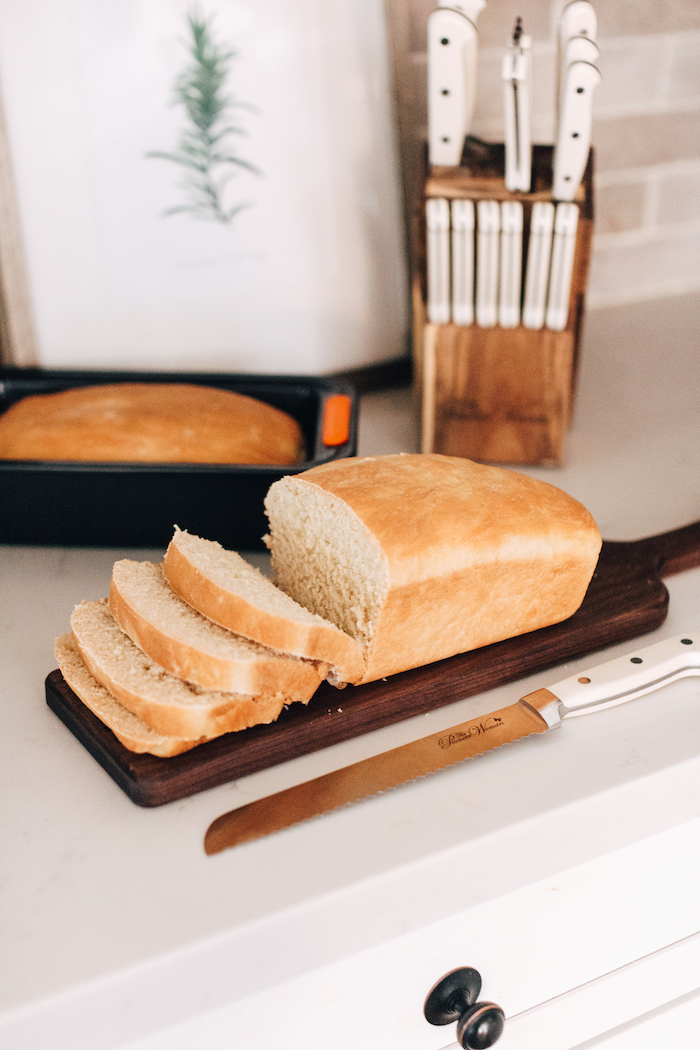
x,y
205,185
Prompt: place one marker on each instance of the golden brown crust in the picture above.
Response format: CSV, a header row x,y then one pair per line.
x,y
313,641
268,673
228,716
475,554
128,728
169,710
149,422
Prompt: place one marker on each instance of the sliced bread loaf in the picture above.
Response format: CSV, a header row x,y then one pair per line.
x,y
420,557
190,646
228,590
167,704
128,728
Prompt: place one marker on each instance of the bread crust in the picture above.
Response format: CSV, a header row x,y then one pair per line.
x,y
474,554
203,716
129,729
150,422
267,673
319,640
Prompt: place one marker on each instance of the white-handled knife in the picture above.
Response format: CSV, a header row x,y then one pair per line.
x,y
515,74
452,65
574,135
562,268
488,215
577,19
463,262
539,253
583,693
437,217
511,264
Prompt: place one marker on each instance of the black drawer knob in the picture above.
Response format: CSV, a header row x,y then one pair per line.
x,y
453,998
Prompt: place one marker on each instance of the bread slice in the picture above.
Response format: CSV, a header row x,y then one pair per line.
x,y
420,557
128,728
190,646
228,590
164,702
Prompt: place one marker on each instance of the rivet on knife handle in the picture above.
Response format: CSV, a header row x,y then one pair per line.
x,y
607,685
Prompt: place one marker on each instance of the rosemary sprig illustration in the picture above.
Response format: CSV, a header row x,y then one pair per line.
x,y
204,148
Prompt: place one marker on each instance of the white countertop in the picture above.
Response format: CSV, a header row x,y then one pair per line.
x,y
102,900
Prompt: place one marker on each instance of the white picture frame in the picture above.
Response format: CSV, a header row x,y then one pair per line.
x,y
309,277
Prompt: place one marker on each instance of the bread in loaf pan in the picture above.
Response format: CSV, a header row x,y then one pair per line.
x,y
128,728
420,557
167,704
190,646
224,587
152,423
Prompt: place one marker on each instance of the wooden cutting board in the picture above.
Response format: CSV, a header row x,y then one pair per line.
x,y
626,598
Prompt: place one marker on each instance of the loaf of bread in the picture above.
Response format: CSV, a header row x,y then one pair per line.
x,y
228,590
150,422
190,646
128,728
420,557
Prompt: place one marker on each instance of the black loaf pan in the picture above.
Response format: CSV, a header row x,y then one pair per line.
x,y
88,504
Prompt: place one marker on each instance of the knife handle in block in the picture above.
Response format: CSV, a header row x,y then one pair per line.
x,y
437,217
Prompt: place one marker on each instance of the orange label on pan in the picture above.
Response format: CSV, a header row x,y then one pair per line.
x,y
336,419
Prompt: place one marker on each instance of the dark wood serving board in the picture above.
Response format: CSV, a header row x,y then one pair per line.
x,y
626,598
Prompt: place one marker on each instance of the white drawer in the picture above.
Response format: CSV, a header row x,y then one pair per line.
x,y
568,959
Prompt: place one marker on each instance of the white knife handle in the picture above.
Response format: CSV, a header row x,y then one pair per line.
x,y
629,677
562,266
511,264
470,8
463,262
452,60
581,49
539,253
576,49
437,216
487,262
574,137
578,19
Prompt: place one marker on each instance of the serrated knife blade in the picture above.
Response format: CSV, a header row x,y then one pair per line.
x,y
606,685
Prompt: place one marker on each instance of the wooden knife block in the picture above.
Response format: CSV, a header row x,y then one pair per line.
x,y
495,394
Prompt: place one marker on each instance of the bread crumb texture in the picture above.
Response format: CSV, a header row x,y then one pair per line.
x,y
222,586
129,729
192,647
167,703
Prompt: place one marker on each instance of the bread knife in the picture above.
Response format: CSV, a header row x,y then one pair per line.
x,y
462,261
437,220
452,63
607,685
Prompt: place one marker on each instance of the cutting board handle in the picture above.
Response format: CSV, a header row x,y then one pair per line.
x,y
665,554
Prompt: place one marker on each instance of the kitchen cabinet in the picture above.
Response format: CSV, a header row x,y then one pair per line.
x,y
568,958
564,867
